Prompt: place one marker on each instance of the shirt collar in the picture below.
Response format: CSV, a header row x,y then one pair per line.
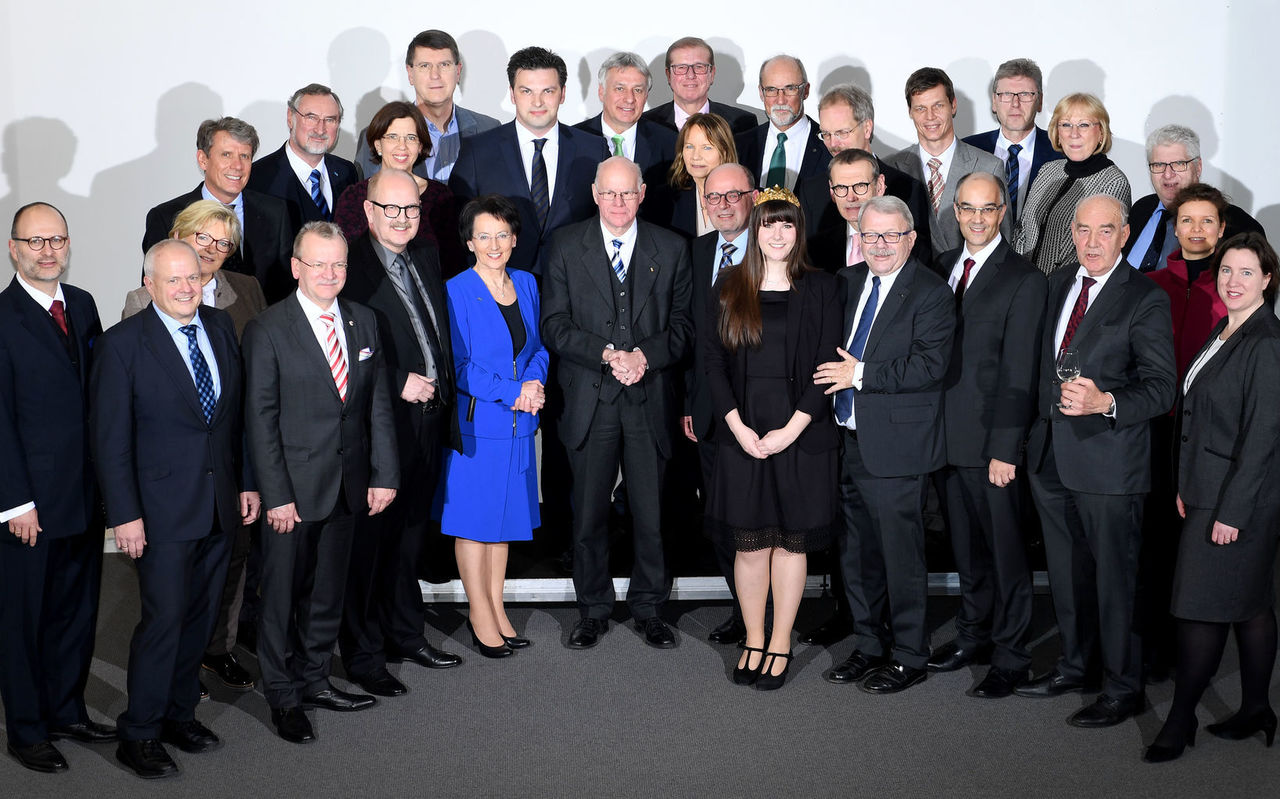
x,y
237,203
42,299
313,311
302,169
980,257
681,116
1027,141
945,157
450,128
526,136
797,132
173,325
627,238
741,241
1100,280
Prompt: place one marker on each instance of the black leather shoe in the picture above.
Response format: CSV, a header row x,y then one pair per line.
x,y
148,759
428,657
1164,752
733,631
1105,712
1051,684
656,633
204,692
517,642
832,631
88,732
893,678
586,633
854,668
953,657
43,757
333,699
766,680
381,684
229,670
999,683
495,652
293,725
189,736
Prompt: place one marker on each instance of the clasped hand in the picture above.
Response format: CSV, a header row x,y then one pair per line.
x,y
418,388
628,367
532,397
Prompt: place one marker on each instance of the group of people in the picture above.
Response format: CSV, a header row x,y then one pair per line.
x,y
325,356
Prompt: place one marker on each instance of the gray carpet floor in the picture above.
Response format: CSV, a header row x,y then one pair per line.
x,y
625,720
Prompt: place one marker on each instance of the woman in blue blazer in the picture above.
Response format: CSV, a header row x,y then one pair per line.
x,y
491,486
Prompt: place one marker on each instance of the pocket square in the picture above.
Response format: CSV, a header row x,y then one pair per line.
x,y
366,353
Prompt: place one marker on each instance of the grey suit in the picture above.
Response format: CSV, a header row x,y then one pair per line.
x,y
944,229
239,295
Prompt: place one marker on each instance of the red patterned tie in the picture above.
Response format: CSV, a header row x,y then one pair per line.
x,y
963,283
1077,313
337,361
59,315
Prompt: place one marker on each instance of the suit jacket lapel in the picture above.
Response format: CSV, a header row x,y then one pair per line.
x,y
226,374
1099,305
1216,362
987,274
890,305
795,314
851,303
39,323
643,268
305,338
353,335
596,262
157,339
513,160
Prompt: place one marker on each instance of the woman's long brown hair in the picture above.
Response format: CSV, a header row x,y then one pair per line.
x,y
740,324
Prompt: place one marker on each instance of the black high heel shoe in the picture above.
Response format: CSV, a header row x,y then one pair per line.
x,y
1237,728
772,682
516,641
486,650
1159,753
745,675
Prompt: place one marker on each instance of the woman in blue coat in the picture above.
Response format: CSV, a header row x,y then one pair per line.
x,y
491,486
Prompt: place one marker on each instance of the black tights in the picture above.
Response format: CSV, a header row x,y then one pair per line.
x,y
1200,647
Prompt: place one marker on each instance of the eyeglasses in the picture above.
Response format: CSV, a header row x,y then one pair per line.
x,y
981,210
842,189
891,237
37,242
484,238
730,197
223,245
1022,97
630,195
1065,128
790,90
337,266
395,138
1157,167
828,135
391,211
316,119
683,69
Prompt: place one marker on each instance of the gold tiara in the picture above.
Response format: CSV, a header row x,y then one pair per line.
x,y
778,193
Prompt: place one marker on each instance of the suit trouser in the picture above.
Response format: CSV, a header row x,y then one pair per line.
x,y
991,557
180,585
1091,544
227,625
722,545
618,428
885,576
304,577
384,607
48,617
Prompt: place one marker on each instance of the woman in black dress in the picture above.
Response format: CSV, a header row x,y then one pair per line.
x,y
1228,475
773,489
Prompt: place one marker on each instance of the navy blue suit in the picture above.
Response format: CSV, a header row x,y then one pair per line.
x,y
273,174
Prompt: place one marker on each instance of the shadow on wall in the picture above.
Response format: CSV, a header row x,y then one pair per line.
x,y
361,58
484,86
1188,111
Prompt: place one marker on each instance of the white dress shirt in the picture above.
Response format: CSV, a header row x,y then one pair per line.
x,y
1025,156
797,141
979,258
303,170
550,155
886,286
628,139
628,239
321,330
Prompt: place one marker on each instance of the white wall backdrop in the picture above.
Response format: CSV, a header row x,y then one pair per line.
x,y
99,102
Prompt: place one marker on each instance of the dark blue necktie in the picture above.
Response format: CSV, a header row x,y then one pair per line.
x,y
317,195
1011,178
539,186
844,399
200,368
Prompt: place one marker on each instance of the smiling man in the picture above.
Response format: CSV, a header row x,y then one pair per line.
x,y
691,71
785,149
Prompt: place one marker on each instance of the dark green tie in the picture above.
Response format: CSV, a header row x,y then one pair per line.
x,y
778,165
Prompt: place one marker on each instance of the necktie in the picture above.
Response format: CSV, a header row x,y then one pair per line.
x,y
1151,261
539,187
619,268
726,256
200,369
855,250
420,317
1077,313
777,175
59,315
317,195
844,399
1011,178
935,183
963,283
617,146
333,351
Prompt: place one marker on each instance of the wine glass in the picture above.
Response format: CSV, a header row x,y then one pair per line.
x,y
1067,366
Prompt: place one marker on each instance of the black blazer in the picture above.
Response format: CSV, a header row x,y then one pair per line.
x,y
268,243
1237,221
1229,423
1126,348
752,146
491,163
697,395
989,398
578,316
655,149
368,284
273,174
740,119
899,408
44,410
1044,152
153,449
814,316
304,440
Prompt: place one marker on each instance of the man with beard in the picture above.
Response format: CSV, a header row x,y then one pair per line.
x,y
786,149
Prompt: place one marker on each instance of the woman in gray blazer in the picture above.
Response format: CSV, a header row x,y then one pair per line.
x,y
1228,473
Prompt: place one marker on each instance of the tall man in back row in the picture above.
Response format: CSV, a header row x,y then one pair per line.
x,y
691,71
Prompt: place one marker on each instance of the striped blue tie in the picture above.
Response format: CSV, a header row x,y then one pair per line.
x,y
1011,178
317,195
200,370
619,268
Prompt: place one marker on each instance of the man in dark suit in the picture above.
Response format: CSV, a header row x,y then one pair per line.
x,y
1174,162
1017,95
615,308
899,320
730,196
167,435
938,160
322,440
51,546
786,149
987,408
623,90
691,70
1089,456
398,277
434,67
224,152
545,168
304,172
